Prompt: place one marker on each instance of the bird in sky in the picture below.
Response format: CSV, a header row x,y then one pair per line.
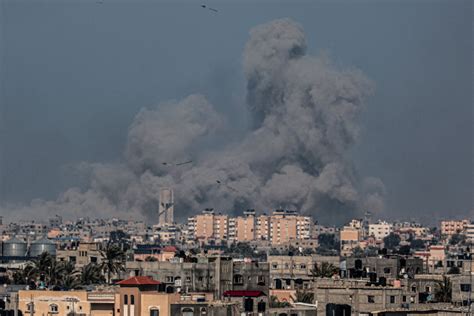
x,y
209,8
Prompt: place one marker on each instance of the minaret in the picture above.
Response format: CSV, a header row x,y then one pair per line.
x,y
166,208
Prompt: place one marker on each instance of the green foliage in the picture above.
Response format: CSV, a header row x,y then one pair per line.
x,y
391,241
48,272
454,270
457,239
324,270
328,245
113,260
404,250
275,303
358,252
417,244
91,274
303,297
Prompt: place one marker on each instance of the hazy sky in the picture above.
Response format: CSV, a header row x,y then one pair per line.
x,y
75,73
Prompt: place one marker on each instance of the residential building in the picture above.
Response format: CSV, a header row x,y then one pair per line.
x,y
451,227
380,230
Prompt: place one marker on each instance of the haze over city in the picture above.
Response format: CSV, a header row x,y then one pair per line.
x,y
330,109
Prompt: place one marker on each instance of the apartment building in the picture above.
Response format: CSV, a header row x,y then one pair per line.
x,y
288,225
380,230
451,227
279,228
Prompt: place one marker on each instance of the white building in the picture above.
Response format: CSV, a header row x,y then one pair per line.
x,y
380,230
470,232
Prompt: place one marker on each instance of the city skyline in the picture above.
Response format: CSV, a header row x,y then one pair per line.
x,y
415,170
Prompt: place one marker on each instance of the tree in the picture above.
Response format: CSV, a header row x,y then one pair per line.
x,y
328,245
275,303
391,241
325,270
457,239
417,244
358,252
404,250
91,274
444,291
113,260
454,270
303,297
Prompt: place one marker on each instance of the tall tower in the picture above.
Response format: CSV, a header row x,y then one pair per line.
x,y
166,208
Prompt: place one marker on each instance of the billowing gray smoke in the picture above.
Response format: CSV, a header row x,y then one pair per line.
x,y
295,156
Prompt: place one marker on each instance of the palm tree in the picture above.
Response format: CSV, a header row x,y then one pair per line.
x,y
91,274
303,297
444,291
113,260
326,270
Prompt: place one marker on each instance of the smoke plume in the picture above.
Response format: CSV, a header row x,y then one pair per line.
x,y
295,155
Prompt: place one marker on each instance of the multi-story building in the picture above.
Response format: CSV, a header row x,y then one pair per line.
x,y
245,227
451,227
288,225
380,230
209,226
263,227
469,231
350,238
279,228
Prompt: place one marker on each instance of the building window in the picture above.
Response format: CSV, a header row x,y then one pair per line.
x,y
404,299
170,279
187,311
302,266
370,299
53,309
261,280
413,288
274,266
132,299
392,299
238,279
125,299
466,287
386,270
154,312
30,308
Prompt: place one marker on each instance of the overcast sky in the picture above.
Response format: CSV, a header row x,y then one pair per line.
x,y
75,73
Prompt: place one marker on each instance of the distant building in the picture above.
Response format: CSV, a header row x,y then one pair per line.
x,y
450,227
166,208
380,230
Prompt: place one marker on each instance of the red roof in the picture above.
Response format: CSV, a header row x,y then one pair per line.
x,y
243,293
170,249
139,280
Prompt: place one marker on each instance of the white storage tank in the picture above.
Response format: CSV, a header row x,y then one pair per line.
x,y
42,245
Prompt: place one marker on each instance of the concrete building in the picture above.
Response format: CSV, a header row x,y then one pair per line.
x,y
469,231
380,230
81,255
208,226
166,207
140,296
350,237
245,227
451,227
80,303
288,225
